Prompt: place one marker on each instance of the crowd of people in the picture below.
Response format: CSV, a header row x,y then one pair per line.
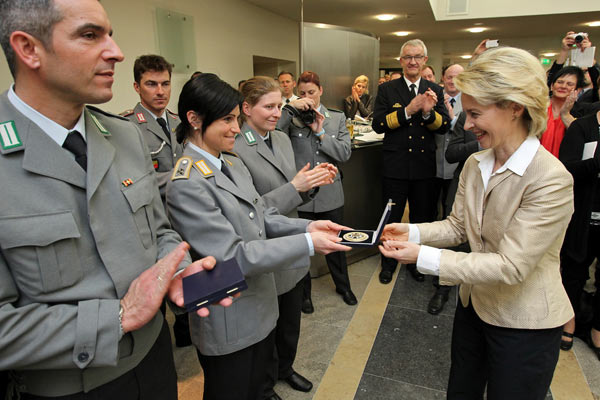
x,y
106,214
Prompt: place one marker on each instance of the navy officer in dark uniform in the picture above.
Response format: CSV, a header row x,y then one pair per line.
x,y
410,111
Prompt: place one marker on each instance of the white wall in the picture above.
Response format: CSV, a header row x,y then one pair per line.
x,y
228,34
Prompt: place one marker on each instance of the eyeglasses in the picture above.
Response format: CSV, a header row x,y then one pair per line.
x,y
415,58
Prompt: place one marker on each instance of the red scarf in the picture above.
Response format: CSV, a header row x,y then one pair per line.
x,y
553,136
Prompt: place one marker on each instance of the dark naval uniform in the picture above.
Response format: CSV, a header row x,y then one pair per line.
x,y
409,166
164,150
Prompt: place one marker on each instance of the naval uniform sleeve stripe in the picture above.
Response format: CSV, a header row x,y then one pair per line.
x,y
437,123
392,120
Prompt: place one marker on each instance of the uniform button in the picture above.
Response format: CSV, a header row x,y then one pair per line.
x,y
260,232
410,137
300,134
410,124
332,136
318,163
83,357
410,150
422,137
317,152
422,151
174,154
381,124
422,124
251,215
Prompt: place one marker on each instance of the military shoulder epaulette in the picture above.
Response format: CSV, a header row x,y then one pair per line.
x,y
126,113
231,153
182,168
108,114
172,113
334,110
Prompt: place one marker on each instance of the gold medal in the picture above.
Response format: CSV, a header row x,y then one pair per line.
x,y
355,236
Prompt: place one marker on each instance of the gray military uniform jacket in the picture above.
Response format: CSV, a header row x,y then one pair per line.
x,y
334,148
272,172
71,243
165,151
227,220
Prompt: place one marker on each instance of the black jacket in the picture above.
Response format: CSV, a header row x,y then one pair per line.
x,y
585,175
408,145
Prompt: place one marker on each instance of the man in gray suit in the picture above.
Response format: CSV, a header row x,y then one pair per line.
x,y
81,220
152,75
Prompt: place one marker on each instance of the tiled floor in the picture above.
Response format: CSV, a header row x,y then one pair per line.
x,y
408,350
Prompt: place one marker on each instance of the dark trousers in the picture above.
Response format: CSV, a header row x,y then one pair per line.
x,y
336,262
422,201
442,186
287,333
239,375
514,363
154,378
575,274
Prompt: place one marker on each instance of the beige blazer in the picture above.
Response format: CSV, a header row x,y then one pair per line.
x,y
515,229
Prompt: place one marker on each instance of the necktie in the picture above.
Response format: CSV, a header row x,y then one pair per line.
x,y
225,170
268,143
76,145
452,101
413,93
163,124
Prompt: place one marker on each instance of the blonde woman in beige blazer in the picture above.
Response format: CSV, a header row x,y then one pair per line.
x,y
513,205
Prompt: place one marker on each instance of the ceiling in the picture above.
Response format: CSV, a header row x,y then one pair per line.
x,y
417,17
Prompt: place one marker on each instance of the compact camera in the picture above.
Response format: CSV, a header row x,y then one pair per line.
x,y
308,116
578,36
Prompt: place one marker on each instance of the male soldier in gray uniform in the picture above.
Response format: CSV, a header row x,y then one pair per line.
x,y
152,81
81,220
152,75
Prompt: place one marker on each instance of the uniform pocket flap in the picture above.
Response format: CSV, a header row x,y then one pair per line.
x,y
140,193
37,230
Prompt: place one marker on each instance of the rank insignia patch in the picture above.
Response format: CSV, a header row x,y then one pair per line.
x,y
127,182
140,117
9,137
249,137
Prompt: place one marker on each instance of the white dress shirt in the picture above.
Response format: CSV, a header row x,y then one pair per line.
x,y
56,132
428,261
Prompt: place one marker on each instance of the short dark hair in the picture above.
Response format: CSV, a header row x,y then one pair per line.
x,y
570,70
285,73
150,62
35,17
210,97
309,77
425,66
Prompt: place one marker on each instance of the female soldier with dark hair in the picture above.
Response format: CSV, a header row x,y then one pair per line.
x,y
214,205
325,140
